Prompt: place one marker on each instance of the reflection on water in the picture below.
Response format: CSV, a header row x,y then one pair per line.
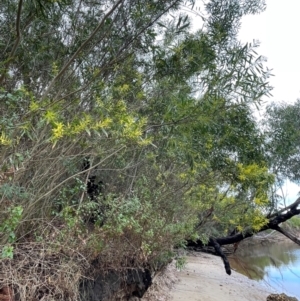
x,y
277,264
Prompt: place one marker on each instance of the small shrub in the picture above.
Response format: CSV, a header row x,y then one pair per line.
x,y
7,229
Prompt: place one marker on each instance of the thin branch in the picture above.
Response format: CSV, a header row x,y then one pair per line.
x,y
65,67
18,31
17,41
85,185
126,45
77,174
288,235
134,174
294,205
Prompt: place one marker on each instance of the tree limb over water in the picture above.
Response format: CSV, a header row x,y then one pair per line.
x,y
274,221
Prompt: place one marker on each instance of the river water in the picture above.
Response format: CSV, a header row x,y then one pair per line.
x,y
275,264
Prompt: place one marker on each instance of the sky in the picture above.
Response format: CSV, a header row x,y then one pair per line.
x,y
278,30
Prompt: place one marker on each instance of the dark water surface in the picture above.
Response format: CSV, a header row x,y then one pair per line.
x,y
276,264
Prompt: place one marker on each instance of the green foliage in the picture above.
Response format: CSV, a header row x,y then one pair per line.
x,y
8,227
146,220
294,222
7,252
163,115
181,263
282,131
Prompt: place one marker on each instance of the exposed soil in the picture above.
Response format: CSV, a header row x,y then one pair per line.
x,y
204,279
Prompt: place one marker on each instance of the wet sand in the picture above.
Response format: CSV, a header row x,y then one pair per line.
x,y
204,279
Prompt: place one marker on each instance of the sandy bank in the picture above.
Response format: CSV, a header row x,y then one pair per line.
x,y
204,279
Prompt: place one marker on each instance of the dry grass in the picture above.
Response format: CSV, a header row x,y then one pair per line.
x,y
39,272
